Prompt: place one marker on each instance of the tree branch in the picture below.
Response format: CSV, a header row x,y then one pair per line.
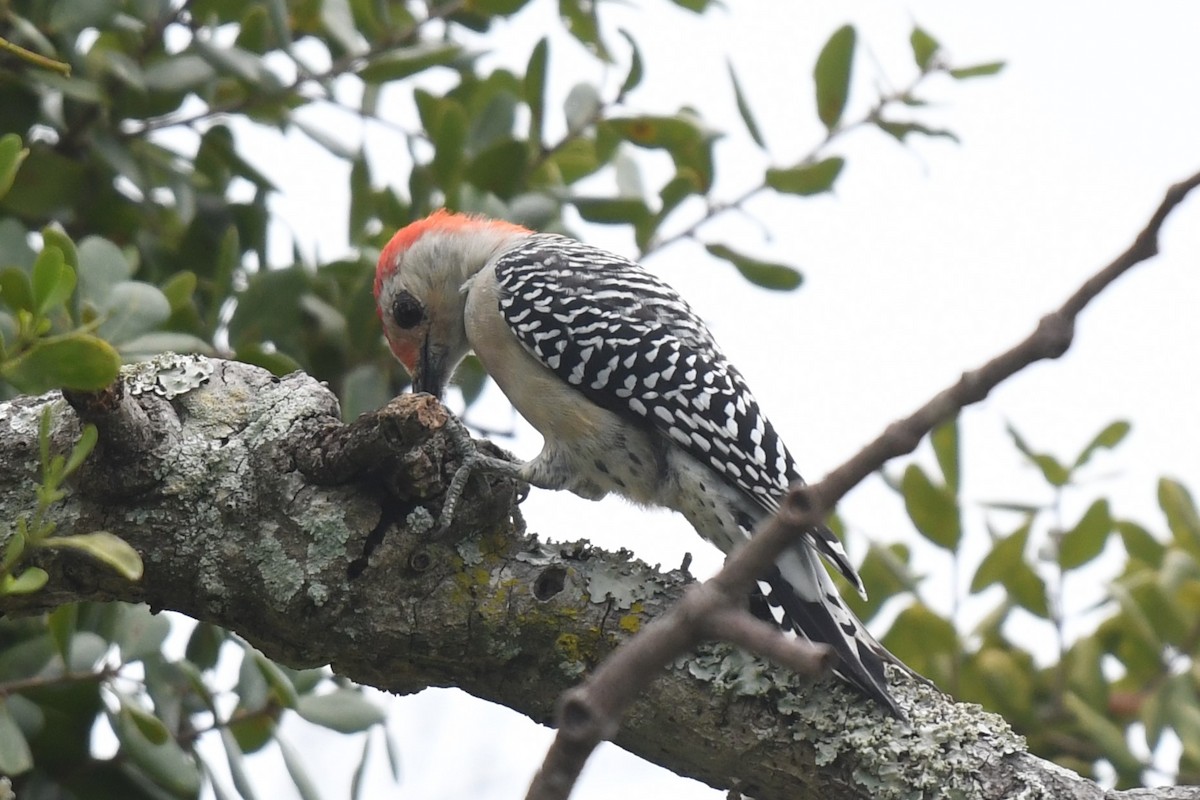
x,y
241,528
235,494
592,711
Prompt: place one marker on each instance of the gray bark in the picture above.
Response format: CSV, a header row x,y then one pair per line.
x,y
254,508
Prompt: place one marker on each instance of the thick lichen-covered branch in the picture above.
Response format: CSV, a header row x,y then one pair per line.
x,y
238,524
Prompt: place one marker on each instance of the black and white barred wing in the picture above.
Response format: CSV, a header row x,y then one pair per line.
x,y
632,345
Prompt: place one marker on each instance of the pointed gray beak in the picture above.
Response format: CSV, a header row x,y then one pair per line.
x,y
432,374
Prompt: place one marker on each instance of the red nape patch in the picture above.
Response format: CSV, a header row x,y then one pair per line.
x,y
442,221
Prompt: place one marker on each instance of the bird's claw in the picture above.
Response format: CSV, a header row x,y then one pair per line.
x,y
472,460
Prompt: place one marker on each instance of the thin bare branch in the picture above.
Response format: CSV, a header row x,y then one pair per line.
x,y
593,710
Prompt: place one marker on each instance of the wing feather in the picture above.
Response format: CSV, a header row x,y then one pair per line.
x,y
632,345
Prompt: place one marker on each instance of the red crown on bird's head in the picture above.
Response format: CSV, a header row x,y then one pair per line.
x,y
440,221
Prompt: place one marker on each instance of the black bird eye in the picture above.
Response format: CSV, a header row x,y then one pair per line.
x,y
407,310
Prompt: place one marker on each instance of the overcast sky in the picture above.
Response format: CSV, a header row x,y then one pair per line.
x,y
927,261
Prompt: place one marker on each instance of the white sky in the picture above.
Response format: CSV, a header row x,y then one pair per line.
x,y
926,262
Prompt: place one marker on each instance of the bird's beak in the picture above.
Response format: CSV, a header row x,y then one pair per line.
x,y
431,374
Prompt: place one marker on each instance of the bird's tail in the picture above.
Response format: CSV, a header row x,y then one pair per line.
x,y
813,609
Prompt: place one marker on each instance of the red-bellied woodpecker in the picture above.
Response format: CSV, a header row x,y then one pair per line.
x,y
627,387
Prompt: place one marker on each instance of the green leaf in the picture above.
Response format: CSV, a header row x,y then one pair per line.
x,y
278,681
237,769
806,179
131,309
1180,510
15,756
204,645
581,21
138,633
28,582
901,130
611,211
1135,616
500,169
1028,589
1084,673
164,762
743,108
357,780
682,135
254,693
81,450
253,731
73,361
767,274
832,75
581,107
16,290
1086,540
933,509
14,548
342,710
54,236
1054,472
62,624
534,87
102,265
1004,557
338,19
634,76
294,763
1140,543
238,63
105,547
977,71
27,657
178,73
685,183
450,150
179,289
1103,732
1008,682
400,63
503,8
1106,439
150,726
924,48
945,447
919,636
11,156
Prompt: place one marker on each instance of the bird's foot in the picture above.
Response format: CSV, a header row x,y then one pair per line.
x,y
473,461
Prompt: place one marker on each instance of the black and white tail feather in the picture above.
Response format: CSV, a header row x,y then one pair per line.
x,y
630,344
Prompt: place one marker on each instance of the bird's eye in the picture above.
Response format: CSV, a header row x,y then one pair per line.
x,y
407,310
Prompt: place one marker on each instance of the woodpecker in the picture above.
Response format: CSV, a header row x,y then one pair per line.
x,y
628,388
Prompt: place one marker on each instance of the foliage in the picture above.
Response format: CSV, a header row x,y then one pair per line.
x,y
1111,696
133,219
39,532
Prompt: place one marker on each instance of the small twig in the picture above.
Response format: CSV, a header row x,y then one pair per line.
x,y
42,681
591,712
337,68
37,59
715,210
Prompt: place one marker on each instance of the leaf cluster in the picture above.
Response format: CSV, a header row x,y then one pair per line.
x,y
1114,694
105,664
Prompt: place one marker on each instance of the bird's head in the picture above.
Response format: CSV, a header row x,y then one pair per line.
x,y
420,290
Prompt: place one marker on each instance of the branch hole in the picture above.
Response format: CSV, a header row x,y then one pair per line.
x,y
549,583
420,561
